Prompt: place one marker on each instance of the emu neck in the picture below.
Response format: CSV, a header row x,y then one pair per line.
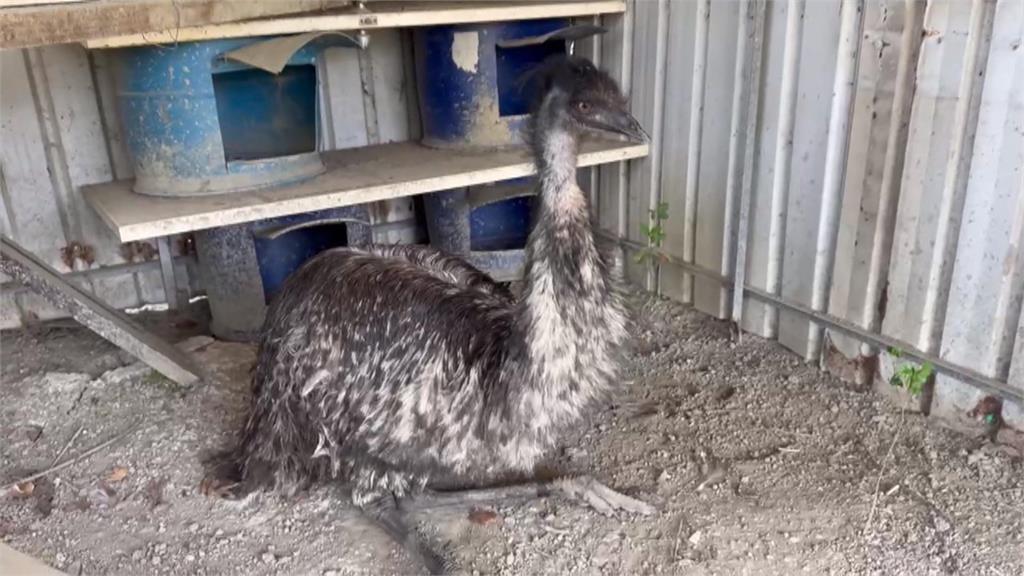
x,y
555,148
569,322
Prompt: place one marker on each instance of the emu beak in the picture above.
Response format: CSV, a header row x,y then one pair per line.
x,y
621,122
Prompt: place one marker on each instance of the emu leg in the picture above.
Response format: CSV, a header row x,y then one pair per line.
x,y
384,512
581,488
600,497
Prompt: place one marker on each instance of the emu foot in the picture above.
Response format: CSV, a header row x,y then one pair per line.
x,y
385,513
600,497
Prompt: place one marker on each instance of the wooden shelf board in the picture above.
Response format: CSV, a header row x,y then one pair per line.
x,y
376,15
353,176
28,23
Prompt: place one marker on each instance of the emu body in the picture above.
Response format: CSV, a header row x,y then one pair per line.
x,y
388,366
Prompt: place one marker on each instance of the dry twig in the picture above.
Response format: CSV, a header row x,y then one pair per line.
x,y
75,459
67,445
881,473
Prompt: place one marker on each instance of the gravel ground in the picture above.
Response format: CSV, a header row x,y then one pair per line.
x,y
756,462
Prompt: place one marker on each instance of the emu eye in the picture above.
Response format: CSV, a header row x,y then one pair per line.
x,y
583,106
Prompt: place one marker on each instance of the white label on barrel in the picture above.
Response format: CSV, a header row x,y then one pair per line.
x,y
465,51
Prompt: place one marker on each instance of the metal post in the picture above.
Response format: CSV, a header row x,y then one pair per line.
x,y
753,91
657,128
954,189
783,158
892,168
700,65
595,171
163,246
843,92
626,83
737,136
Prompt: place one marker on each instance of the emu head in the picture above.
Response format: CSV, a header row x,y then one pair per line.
x,y
587,96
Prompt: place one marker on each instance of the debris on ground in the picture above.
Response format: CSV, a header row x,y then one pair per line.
x,y
753,461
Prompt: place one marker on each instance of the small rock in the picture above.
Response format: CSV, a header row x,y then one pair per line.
x,y
190,558
218,533
696,537
268,558
193,527
329,573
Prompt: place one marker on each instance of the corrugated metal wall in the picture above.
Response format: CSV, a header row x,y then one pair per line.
x,y
929,207
926,182
59,131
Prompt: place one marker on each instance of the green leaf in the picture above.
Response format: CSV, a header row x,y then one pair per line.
x,y
895,352
928,370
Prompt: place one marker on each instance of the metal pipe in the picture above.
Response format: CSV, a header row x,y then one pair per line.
x,y
626,83
657,126
56,157
700,66
783,158
965,124
753,91
105,272
1008,302
892,167
737,136
941,365
843,92
163,245
595,171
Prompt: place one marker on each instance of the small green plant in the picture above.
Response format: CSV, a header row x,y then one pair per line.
x,y
654,232
910,376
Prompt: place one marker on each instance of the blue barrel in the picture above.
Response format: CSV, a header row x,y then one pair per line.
x,y
471,89
285,244
197,124
244,265
501,225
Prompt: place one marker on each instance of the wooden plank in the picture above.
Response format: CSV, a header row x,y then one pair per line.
x,y
377,15
21,3
95,314
61,23
14,562
353,176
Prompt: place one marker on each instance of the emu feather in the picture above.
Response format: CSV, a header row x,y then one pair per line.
x,y
388,366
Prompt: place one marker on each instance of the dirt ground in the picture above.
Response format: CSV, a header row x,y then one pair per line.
x,y
756,462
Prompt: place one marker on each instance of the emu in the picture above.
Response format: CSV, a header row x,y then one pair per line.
x,y
390,366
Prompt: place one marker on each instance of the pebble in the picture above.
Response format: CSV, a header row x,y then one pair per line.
x,y
193,527
268,558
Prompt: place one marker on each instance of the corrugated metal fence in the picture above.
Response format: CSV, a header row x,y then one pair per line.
x,y
855,164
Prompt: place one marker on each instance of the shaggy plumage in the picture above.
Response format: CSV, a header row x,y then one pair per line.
x,y
387,366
